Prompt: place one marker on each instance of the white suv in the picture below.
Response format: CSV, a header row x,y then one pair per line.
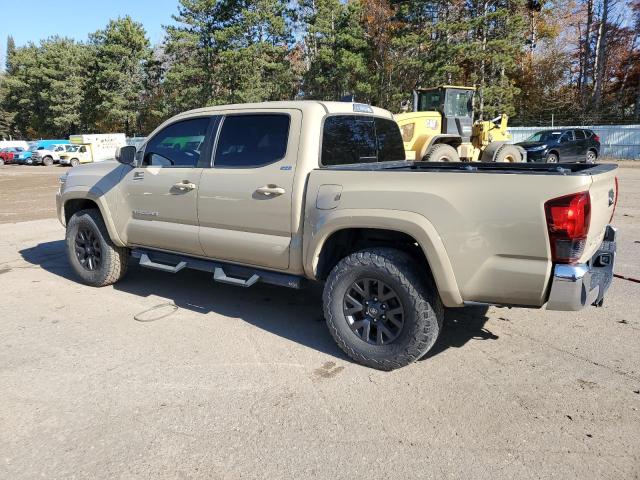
x,y
50,155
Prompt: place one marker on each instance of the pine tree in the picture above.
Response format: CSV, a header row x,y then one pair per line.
x,y
11,48
229,51
337,51
120,53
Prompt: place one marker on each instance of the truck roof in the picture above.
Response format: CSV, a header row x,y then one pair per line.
x,y
307,106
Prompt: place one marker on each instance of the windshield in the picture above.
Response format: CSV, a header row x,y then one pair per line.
x,y
458,103
545,136
429,101
72,148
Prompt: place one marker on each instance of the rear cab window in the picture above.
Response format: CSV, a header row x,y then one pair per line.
x,y
351,139
252,140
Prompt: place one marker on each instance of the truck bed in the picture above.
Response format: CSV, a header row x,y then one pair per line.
x,y
489,228
481,167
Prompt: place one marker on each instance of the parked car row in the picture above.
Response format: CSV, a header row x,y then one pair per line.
x,y
78,149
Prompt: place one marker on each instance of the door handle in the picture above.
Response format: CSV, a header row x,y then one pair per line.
x,y
271,189
184,186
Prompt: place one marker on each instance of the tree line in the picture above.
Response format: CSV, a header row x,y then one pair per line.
x,y
575,60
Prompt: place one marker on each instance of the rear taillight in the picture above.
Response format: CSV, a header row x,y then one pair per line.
x,y
596,138
615,201
568,225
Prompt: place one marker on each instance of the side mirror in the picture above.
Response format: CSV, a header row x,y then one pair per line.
x,y
126,154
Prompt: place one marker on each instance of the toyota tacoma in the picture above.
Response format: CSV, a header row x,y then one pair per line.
x,y
289,192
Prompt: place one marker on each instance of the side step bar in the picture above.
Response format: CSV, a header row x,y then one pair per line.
x,y
145,261
220,276
228,273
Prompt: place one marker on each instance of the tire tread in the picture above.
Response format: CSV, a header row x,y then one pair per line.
x,y
424,300
117,258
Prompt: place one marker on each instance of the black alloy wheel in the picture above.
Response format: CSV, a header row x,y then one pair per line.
x,y
373,311
88,249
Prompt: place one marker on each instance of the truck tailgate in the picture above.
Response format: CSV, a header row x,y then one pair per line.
x,y
603,192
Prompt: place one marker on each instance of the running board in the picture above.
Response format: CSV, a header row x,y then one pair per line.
x,y
228,273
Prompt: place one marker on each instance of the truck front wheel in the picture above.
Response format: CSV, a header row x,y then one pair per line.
x,y
381,310
47,161
75,162
92,254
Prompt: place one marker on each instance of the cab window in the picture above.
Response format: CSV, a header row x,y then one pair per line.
x,y
349,139
177,145
252,141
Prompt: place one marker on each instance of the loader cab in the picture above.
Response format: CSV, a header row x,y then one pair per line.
x,y
454,104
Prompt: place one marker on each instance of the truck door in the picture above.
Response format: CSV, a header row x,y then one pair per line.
x,y
161,193
244,201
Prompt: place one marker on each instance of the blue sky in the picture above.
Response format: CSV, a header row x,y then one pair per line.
x,y
33,20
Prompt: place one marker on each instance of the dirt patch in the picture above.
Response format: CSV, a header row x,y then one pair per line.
x,y
28,193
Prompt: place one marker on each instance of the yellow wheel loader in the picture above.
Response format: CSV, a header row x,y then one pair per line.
x,y
441,129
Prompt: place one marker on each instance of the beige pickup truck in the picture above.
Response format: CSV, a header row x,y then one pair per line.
x,y
288,192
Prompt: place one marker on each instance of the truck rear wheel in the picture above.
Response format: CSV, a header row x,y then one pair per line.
x,y
441,152
509,154
92,254
380,310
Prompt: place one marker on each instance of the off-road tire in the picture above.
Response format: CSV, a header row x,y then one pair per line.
x,y
552,158
47,161
441,152
75,162
114,260
417,291
508,154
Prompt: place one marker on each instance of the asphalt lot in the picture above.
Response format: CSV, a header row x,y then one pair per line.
x,y
234,383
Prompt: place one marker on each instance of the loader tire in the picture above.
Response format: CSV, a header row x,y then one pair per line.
x,y
441,152
508,154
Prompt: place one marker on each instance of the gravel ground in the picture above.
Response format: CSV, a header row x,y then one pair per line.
x,y
234,383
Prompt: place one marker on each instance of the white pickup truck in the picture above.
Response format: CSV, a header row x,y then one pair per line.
x,y
289,192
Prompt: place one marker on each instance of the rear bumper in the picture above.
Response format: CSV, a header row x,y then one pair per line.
x,y
577,286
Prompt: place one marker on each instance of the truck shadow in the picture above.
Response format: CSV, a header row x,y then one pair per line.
x,y
294,315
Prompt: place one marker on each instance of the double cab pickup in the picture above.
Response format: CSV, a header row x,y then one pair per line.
x,y
291,192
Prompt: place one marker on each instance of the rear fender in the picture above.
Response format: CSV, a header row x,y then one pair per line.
x,y
409,223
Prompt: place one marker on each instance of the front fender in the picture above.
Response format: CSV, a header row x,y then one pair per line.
x,y
410,223
82,192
